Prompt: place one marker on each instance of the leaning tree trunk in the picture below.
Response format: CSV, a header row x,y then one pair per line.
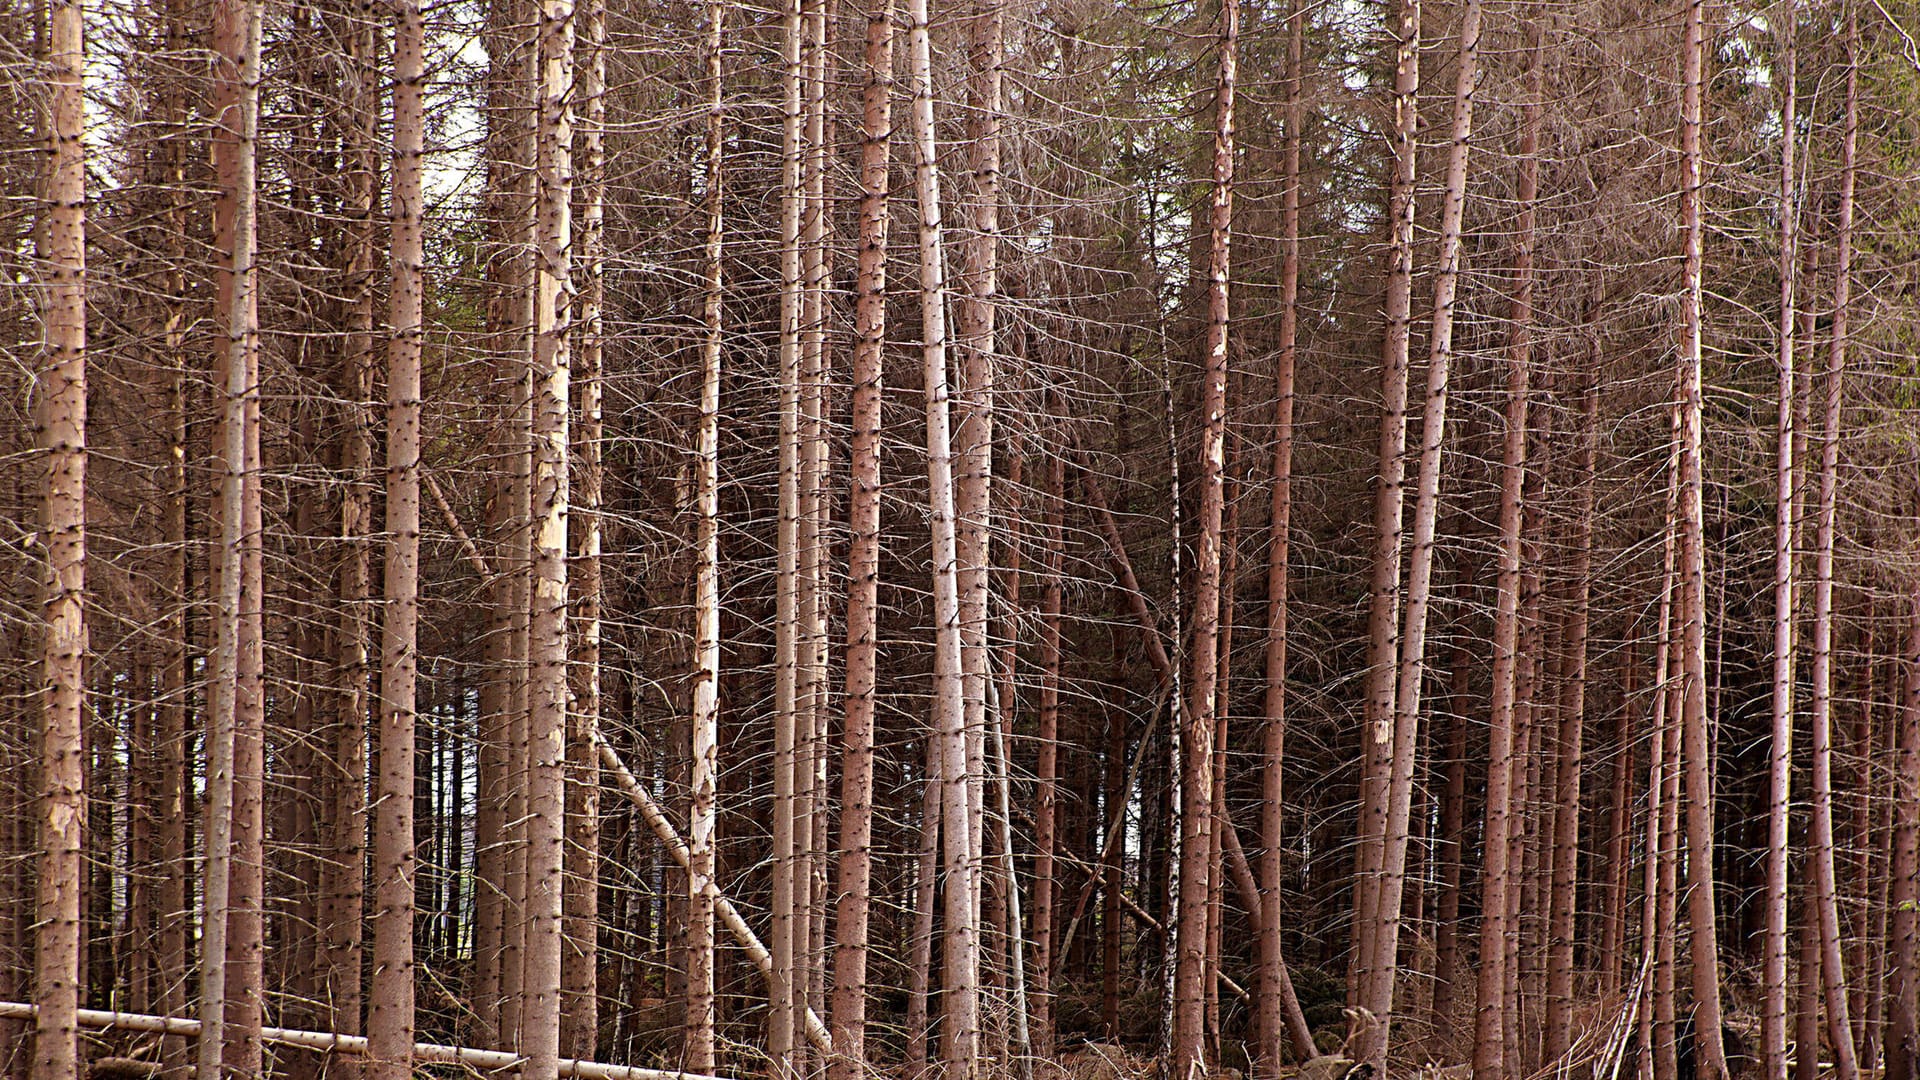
x,y
1384,936
1383,613
960,1032
61,426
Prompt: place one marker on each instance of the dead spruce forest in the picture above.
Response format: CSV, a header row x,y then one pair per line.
x,y
962,540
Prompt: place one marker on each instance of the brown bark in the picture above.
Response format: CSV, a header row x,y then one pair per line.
x,y
1710,1053
1047,763
390,1021
1820,835
61,436
1566,818
1903,976
854,909
1383,612
1377,995
1199,717
1275,1019
229,980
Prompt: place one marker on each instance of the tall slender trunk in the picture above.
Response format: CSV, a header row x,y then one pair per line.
x,y
1046,796
783,942
1710,1052
1378,994
1820,836
1196,744
390,1025
1498,889
61,430
1566,818
697,1054
228,985
1274,1016
961,953
1773,978
550,491
1383,611
580,963
854,912
1903,894
973,396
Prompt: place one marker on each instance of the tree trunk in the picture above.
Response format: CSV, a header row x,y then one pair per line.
x,y
1275,1020
783,941
961,946
1497,888
1047,764
1197,735
228,986
1710,1054
1378,995
854,909
1773,977
390,1026
1383,612
547,619
1820,835
61,430
580,963
697,1054
1903,1032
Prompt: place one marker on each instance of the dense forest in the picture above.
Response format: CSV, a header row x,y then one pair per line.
x,y
1058,539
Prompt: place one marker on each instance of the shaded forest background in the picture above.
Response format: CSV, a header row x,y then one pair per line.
x,y
477,756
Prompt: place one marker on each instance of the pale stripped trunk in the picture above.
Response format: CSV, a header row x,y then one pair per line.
x,y
698,1052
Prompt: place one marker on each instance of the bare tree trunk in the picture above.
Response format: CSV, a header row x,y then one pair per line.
x,y
959,1050
225,979
1820,835
1773,978
61,434
1710,1053
1383,613
784,940
697,1054
1902,1038
580,963
1498,888
1378,995
1047,765
1566,818
1197,737
547,628
973,399
1275,1020
854,909
390,1025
